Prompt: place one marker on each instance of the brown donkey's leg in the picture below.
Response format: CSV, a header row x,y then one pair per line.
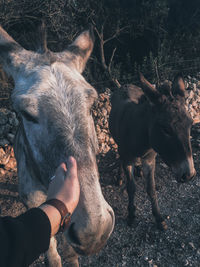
x,y
130,186
148,164
120,176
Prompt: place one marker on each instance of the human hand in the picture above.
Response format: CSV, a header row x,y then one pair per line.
x,y
65,186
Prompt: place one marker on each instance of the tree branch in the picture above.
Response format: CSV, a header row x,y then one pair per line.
x,y
115,34
111,59
107,68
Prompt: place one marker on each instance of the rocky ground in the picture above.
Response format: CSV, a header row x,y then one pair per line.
x,y
142,244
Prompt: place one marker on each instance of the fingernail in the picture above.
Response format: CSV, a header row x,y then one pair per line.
x,y
70,160
63,166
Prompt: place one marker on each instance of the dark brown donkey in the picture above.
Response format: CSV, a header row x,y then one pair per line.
x,y
146,121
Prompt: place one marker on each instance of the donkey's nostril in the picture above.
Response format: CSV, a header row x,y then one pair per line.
x,y
87,240
183,179
73,235
111,212
110,226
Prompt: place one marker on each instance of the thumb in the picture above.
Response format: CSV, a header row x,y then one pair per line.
x,y
61,172
71,167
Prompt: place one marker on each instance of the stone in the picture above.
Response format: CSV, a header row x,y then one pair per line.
x,y
4,157
13,130
3,142
163,165
104,112
2,171
94,112
2,152
1,131
14,121
7,128
11,137
3,117
191,94
191,244
112,142
195,104
12,154
4,129
101,136
11,165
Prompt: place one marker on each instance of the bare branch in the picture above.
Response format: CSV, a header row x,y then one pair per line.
x,y
115,34
116,82
111,59
99,35
107,68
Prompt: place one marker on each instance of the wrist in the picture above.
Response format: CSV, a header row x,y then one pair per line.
x,y
54,217
69,204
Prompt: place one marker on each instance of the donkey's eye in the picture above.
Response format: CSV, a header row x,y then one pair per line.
x,y
29,117
167,131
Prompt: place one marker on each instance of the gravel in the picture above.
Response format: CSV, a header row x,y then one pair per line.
x,y
142,244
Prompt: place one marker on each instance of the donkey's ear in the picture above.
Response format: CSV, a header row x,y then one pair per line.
x,y
82,48
42,38
149,90
178,86
13,57
8,50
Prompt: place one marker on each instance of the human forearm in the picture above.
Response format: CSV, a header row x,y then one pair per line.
x,y
24,238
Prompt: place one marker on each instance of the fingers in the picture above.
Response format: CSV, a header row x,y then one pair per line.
x,y
68,169
65,186
63,166
61,172
71,167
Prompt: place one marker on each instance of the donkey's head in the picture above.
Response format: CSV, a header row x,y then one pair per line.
x,y
170,124
54,101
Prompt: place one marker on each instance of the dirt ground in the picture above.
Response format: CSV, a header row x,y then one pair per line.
x,y
143,244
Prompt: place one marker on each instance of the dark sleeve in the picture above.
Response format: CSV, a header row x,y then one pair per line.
x,y
24,238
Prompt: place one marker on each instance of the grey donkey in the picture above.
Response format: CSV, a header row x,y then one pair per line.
x,y
53,101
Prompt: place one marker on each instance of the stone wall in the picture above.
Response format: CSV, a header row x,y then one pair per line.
x,y
193,97
100,111
8,126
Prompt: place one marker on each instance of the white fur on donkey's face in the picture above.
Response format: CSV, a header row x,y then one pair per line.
x,y
60,100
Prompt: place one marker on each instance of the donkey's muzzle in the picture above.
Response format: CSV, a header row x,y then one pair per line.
x,y
185,170
186,178
91,240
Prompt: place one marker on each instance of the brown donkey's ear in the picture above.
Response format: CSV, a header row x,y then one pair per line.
x,y
149,90
82,48
178,86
